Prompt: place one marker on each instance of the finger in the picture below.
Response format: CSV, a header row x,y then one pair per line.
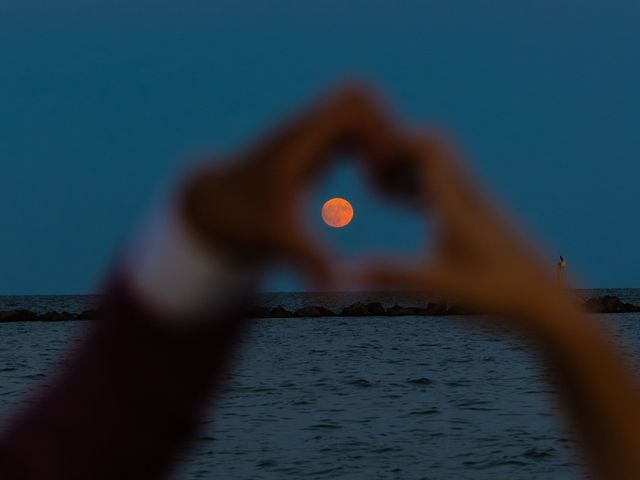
x,y
312,260
399,176
349,118
438,173
449,178
408,169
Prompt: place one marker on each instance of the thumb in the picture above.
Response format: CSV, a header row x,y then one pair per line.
x,y
313,261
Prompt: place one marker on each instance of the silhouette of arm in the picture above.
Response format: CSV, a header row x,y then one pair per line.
x,y
127,400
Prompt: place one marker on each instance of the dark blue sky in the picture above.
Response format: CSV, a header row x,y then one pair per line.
x,y
102,102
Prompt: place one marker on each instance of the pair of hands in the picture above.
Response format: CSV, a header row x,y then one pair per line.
x,y
249,208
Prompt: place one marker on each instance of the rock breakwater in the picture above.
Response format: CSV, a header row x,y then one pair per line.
x,y
603,304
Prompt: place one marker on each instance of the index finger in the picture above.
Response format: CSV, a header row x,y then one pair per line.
x,y
350,118
446,182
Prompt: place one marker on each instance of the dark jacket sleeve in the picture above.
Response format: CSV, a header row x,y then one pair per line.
x,y
126,400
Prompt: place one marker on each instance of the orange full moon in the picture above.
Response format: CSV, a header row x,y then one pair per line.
x,y
337,212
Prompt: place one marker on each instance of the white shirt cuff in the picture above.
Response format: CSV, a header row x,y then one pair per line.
x,y
175,275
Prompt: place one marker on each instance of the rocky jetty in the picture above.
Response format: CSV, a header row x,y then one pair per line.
x,y
29,316
609,304
313,312
605,304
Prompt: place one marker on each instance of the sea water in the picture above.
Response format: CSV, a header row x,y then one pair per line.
x,y
358,398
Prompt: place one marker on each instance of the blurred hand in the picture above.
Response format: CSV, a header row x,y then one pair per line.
x,y
249,209
479,258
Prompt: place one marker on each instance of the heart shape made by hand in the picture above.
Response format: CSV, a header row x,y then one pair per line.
x,y
249,208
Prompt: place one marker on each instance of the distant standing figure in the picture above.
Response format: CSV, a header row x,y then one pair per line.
x,y
560,266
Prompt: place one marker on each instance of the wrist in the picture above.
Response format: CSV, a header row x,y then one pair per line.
x,y
174,272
